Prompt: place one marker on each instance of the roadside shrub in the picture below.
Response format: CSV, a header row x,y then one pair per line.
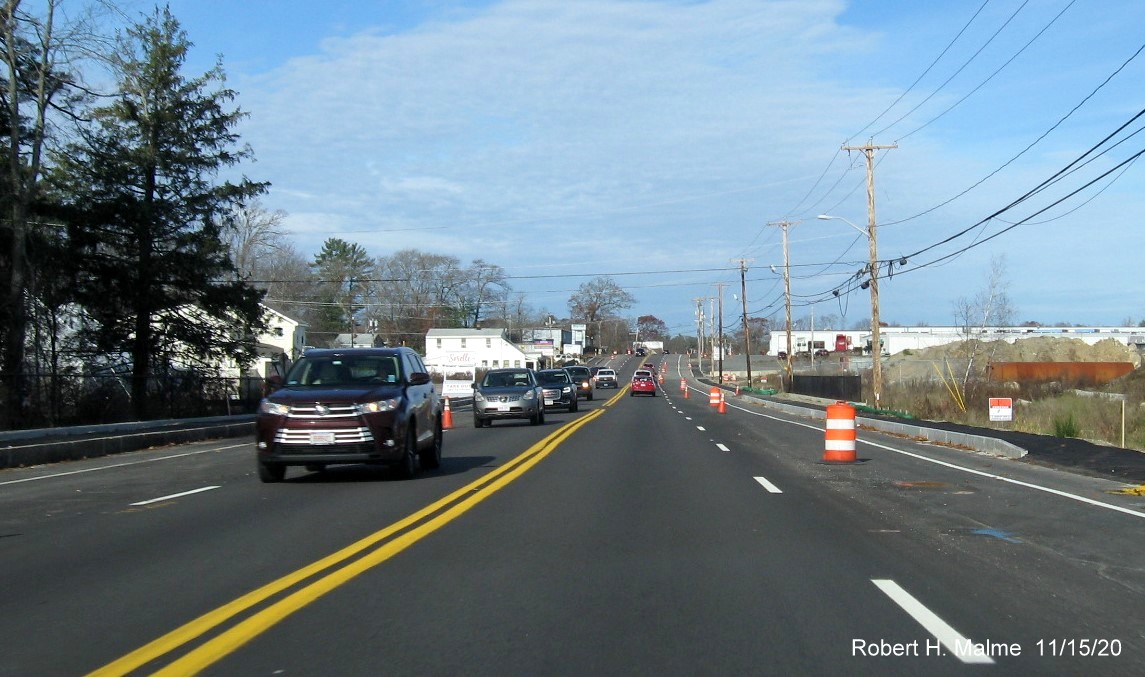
x,y
1066,426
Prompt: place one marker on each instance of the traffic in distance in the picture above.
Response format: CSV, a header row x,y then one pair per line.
x,y
379,406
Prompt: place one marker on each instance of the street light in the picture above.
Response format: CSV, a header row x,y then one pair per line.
x,y
873,284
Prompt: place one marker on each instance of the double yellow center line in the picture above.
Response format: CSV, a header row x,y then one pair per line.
x,y
346,563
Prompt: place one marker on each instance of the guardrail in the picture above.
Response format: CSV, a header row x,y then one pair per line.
x,y
51,445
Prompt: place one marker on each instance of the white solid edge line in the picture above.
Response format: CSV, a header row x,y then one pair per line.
x,y
768,485
954,642
972,471
179,495
123,465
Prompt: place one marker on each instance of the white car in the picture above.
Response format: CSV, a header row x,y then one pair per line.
x,y
606,378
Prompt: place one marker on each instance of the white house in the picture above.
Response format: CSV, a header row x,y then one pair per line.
x,y
282,343
478,348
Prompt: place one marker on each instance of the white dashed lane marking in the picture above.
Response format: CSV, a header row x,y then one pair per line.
x,y
180,495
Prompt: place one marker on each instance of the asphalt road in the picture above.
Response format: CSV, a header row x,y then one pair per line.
x,y
637,536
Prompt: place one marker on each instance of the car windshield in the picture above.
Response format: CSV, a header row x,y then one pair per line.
x,y
343,370
554,377
506,379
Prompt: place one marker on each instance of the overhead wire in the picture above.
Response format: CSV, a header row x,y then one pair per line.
x,y
956,72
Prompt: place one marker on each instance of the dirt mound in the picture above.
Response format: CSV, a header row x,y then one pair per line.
x,y
922,364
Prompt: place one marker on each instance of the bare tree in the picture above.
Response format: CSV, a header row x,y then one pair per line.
x,y
597,299
483,285
38,80
991,306
253,233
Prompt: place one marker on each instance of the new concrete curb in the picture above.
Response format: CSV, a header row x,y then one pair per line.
x,y
989,445
51,445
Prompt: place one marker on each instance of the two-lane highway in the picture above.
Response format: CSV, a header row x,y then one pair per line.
x,y
639,535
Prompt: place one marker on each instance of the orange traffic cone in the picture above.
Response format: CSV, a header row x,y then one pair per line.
x,y
685,390
723,405
446,417
737,390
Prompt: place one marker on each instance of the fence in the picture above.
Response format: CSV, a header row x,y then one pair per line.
x,y
840,387
56,400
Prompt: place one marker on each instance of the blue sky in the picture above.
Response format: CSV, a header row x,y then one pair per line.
x,y
599,137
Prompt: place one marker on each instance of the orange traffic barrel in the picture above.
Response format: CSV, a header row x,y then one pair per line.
x,y
714,396
683,385
840,442
446,417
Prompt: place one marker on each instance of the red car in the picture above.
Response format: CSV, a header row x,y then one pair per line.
x,y
643,385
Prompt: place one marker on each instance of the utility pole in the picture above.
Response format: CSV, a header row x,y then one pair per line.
x,y
784,225
700,332
746,328
720,286
876,340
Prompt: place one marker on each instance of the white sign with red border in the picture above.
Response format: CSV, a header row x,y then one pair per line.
x,y
1001,409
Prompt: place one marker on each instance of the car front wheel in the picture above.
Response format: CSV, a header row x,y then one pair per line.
x,y
407,467
271,472
431,458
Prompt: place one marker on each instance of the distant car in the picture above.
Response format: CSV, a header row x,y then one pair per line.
x,y
641,352
558,389
508,393
582,376
649,366
782,354
822,352
606,378
643,385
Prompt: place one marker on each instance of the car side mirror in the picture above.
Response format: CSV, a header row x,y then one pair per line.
x,y
473,385
418,378
273,383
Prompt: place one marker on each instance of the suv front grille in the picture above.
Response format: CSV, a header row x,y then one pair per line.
x,y
320,412
361,435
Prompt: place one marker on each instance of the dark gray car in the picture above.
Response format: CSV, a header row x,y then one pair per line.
x,y
582,377
508,393
559,389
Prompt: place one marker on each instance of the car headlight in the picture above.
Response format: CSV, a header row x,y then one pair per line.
x,y
377,407
530,395
478,396
566,389
273,408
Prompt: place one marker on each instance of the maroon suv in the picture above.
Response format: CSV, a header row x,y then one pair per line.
x,y
357,405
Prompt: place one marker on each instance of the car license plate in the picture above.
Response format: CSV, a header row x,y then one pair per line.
x,y
503,406
549,403
322,438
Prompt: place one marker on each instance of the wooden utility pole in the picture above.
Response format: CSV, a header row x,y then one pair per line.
x,y
876,340
746,329
700,331
720,335
784,225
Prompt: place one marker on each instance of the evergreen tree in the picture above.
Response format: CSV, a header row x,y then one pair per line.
x,y
144,208
347,277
